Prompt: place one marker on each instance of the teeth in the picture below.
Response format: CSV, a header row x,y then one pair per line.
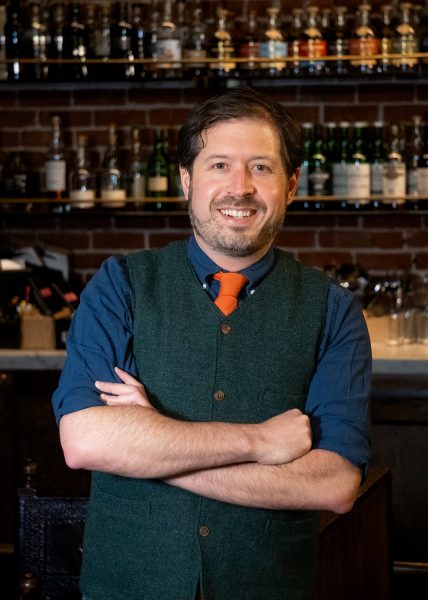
x,y
237,214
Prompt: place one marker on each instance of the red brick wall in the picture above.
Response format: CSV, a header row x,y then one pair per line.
x,y
380,242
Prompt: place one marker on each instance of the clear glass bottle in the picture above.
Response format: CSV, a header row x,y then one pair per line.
x,y
364,42
319,167
55,164
377,159
151,41
102,44
168,45
313,45
138,38
358,167
222,47
273,46
196,45
75,43
394,169
294,40
338,45
158,171
14,38
136,170
35,44
56,41
386,40
17,178
120,40
413,155
113,188
82,178
249,46
405,41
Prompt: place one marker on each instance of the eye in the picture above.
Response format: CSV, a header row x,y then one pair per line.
x,y
260,168
219,166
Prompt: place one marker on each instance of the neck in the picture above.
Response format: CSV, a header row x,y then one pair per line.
x,y
231,263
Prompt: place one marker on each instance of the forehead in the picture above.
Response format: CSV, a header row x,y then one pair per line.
x,y
242,134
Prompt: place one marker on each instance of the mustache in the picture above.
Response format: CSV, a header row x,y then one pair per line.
x,y
237,202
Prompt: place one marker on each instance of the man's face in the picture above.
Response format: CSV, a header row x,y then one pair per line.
x,y
238,190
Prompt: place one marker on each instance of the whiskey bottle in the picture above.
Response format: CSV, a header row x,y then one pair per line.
x,y
313,45
56,41
102,44
14,34
386,40
294,40
136,170
157,185
55,164
364,42
222,48
422,172
273,46
3,66
377,159
340,163
413,155
358,168
405,41
75,44
338,45
113,188
196,45
35,44
82,178
249,47
138,38
303,182
168,45
394,169
120,40
319,167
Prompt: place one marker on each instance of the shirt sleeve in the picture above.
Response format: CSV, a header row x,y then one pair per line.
x,y
99,339
338,402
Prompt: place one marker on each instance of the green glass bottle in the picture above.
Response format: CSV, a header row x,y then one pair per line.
x,y
158,171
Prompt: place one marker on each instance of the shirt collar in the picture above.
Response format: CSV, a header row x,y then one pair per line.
x,y
205,268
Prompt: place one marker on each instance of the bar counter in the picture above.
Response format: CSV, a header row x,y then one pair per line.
x,y
406,359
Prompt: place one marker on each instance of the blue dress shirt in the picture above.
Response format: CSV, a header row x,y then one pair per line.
x,y
101,337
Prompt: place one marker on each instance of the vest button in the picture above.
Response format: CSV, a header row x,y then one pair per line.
x,y
204,531
219,395
226,329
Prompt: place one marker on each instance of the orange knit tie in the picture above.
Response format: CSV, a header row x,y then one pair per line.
x,y
230,286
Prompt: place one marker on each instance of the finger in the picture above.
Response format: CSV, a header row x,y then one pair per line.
x,y
123,399
114,388
126,377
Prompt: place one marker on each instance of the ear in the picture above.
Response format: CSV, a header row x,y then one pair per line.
x,y
185,181
292,186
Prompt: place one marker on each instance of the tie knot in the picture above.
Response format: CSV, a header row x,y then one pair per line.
x,y
230,286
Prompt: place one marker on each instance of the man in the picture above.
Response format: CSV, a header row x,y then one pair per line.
x,y
216,434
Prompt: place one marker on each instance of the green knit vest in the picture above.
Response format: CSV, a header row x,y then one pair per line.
x,y
143,537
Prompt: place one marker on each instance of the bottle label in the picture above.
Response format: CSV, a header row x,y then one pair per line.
x,y
319,182
169,50
376,178
194,55
422,181
365,48
157,184
137,187
339,179
55,171
82,198
412,183
394,180
358,180
405,45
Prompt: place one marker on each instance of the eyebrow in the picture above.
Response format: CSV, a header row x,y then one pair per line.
x,y
223,156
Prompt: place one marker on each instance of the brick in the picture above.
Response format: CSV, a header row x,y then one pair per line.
x,y
18,239
88,260
359,112
44,98
34,138
417,238
69,118
309,114
319,220
286,95
116,241
294,239
399,113
168,116
121,117
391,221
67,239
17,118
150,96
97,97
388,240
157,240
386,262
87,220
141,222
421,260
383,91
322,258
8,99
331,94
180,222
10,139
345,239
32,221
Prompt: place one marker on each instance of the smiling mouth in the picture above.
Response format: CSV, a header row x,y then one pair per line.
x,y
237,214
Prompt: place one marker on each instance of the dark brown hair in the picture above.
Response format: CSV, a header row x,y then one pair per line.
x,y
243,103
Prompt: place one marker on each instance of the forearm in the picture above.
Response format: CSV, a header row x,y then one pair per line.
x,y
319,480
136,441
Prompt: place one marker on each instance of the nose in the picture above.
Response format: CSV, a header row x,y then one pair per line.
x,y
241,182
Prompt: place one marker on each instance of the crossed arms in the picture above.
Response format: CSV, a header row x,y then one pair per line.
x,y
266,465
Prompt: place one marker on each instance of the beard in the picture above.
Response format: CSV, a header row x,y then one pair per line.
x,y
240,242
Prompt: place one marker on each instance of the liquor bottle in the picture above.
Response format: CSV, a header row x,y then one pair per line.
x,y
294,40
358,168
249,47
303,182
13,33
394,169
136,171
273,46
182,24
56,41
405,41
196,45
17,179
113,188
413,155
364,42
157,185
422,172
3,66
102,44
222,48
319,168
55,164
423,27
75,44
82,178
386,40
339,164
151,42
168,45
35,44
338,44
313,45
377,159
138,40
120,40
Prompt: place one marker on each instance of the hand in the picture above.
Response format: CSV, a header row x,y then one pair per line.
x,y
284,438
129,393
